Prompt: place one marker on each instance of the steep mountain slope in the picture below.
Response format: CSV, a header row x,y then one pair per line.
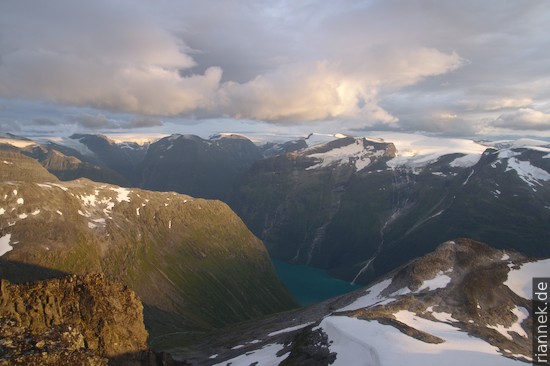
x,y
122,158
63,162
198,167
465,303
361,209
188,259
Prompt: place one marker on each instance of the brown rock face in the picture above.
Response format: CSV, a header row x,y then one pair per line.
x,y
60,319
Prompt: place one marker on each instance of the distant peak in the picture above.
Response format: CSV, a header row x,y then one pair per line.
x,y
228,135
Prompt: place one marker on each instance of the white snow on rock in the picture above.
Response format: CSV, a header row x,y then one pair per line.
x,y
2,211
371,298
526,143
59,213
35,212
23,216
355,153
89,200
71,143
440,280
530,174
521,313
8,162
266,356
521,280
360,342
416,151
59,186
5,244
289,329
123,194
20,201
444,317
465,161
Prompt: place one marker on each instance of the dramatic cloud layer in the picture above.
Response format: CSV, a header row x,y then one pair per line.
x,y
450,67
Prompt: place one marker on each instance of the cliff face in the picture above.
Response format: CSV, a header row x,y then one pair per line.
x,y
74,320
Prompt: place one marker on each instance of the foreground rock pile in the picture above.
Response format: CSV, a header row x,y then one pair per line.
x,y
77,320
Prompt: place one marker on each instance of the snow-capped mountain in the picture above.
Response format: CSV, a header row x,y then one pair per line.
x,y
464,303
360,207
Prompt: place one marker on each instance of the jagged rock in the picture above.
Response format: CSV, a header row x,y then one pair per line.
x,y
108,316
76,320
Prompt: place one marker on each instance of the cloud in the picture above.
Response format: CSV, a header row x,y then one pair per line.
x,y
40,121
144,121
387,63
524,119
90,121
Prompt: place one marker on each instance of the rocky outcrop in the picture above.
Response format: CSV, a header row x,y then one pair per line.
x,y
91,304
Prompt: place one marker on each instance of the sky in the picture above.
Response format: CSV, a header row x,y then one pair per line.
x,y
443,67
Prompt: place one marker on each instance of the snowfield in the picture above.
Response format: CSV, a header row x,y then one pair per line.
x,y
360,342
5,244
520,280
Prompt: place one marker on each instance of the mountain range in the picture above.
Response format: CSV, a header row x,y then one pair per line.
x,y
359,207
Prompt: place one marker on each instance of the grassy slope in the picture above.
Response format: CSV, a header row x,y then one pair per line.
x,y
185,257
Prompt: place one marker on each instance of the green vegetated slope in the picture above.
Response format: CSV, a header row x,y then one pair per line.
x,y
192,261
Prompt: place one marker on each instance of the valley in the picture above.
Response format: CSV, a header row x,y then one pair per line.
x,y
334,212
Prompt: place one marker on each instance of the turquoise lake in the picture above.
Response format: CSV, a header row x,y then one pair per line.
x,y
310,285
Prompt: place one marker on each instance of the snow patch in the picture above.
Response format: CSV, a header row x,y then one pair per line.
x,y
23,216
266,356
521,313
8,162
355,153
89,200
60,186
2,211
371,298
465,161
530,174
35,212
20,201
290,329
59,213
521,280
123,194
5,244
444,317
440,280
72,144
